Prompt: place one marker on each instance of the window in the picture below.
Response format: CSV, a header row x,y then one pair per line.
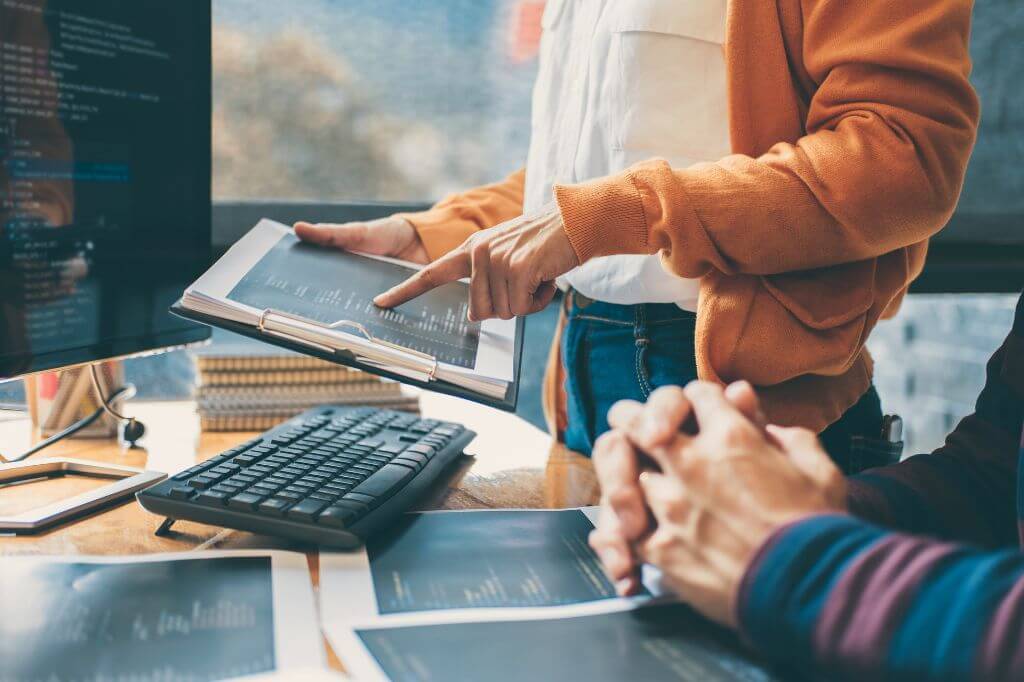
x,y
382,100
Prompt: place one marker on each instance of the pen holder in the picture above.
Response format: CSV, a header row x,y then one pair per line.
x,y
56,400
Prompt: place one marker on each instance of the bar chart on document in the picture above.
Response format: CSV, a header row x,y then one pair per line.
x,y
172,620
305,280
458,560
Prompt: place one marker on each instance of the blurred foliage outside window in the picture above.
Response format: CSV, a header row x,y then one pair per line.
x,y
382,100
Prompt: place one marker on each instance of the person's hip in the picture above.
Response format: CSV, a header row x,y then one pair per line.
x,y
613,352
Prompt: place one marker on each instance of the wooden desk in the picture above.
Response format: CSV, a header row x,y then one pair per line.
x,y
511,465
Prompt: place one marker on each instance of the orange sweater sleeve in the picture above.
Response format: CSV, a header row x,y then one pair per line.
x,y
889,131
452,220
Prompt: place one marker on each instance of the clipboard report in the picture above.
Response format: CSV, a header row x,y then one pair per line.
x,y
272,286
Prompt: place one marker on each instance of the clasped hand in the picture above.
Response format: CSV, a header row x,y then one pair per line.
x,y
694,482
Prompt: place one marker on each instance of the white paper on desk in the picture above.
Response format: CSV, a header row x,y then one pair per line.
x,y
297,641
348,599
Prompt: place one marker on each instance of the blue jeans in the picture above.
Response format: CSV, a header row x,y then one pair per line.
x,y
613,352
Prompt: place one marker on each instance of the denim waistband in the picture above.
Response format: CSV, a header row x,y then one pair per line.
x,y
579,306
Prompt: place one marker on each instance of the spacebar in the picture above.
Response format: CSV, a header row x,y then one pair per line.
x,y
385,482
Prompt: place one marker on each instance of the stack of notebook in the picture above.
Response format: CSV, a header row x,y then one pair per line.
x,y
244,385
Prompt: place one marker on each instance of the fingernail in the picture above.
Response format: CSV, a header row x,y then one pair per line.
x,y
623,586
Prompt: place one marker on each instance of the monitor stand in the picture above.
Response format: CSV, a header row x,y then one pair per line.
x,y
129,480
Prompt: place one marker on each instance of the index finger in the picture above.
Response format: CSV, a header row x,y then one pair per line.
x,y
451,267
618,469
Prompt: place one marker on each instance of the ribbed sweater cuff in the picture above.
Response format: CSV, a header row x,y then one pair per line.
x,y
603,217
440,229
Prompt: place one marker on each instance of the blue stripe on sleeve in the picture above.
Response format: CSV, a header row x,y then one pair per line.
x,y
789,584
942,631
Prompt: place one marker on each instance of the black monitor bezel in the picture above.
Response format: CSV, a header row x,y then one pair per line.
x,y
19,365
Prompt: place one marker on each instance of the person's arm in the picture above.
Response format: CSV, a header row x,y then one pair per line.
x,y
966,490
451,221
843,597
888,135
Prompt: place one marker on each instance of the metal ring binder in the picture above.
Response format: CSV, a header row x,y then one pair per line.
x,y
261,325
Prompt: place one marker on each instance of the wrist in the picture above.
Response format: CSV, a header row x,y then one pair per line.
x,y
603,217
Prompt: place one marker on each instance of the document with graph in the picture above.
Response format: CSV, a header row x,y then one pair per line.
x,y
199,616
515,595
272,286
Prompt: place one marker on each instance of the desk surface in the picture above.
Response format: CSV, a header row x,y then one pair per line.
x,y
511,464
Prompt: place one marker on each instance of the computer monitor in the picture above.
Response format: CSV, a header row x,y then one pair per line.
x,y
104,177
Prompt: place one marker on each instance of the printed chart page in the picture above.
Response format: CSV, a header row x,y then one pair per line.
x,y
206,616
466,560
657,642
466,595
331,285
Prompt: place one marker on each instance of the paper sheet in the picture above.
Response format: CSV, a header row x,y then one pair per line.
x,y
492,350
198,615
555,571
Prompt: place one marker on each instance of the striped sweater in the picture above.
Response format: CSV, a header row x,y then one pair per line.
x,y
925,579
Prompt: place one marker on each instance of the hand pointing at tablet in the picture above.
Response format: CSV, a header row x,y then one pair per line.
x,y
512,268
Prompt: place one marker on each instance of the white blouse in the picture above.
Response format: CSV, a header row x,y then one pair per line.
x,y
622,81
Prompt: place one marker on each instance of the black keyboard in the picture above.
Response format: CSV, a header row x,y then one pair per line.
x,y
332,475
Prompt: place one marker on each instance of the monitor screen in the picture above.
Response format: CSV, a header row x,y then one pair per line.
x,y
104,176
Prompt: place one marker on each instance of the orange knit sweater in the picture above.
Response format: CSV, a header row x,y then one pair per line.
x,y
851,125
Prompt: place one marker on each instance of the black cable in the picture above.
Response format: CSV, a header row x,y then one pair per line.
x,y
74,428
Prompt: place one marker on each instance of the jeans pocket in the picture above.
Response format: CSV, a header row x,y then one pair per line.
x,y
667,357
643,374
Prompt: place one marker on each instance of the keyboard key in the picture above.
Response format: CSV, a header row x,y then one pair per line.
x,y
427,450
306,510
212,499
244,501
409,438
385,482
288,495
413,457
202,482
342,513
361,499
273,507
180,492
391,449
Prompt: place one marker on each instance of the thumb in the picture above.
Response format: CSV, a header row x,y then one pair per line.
x,y
348,236
804,450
